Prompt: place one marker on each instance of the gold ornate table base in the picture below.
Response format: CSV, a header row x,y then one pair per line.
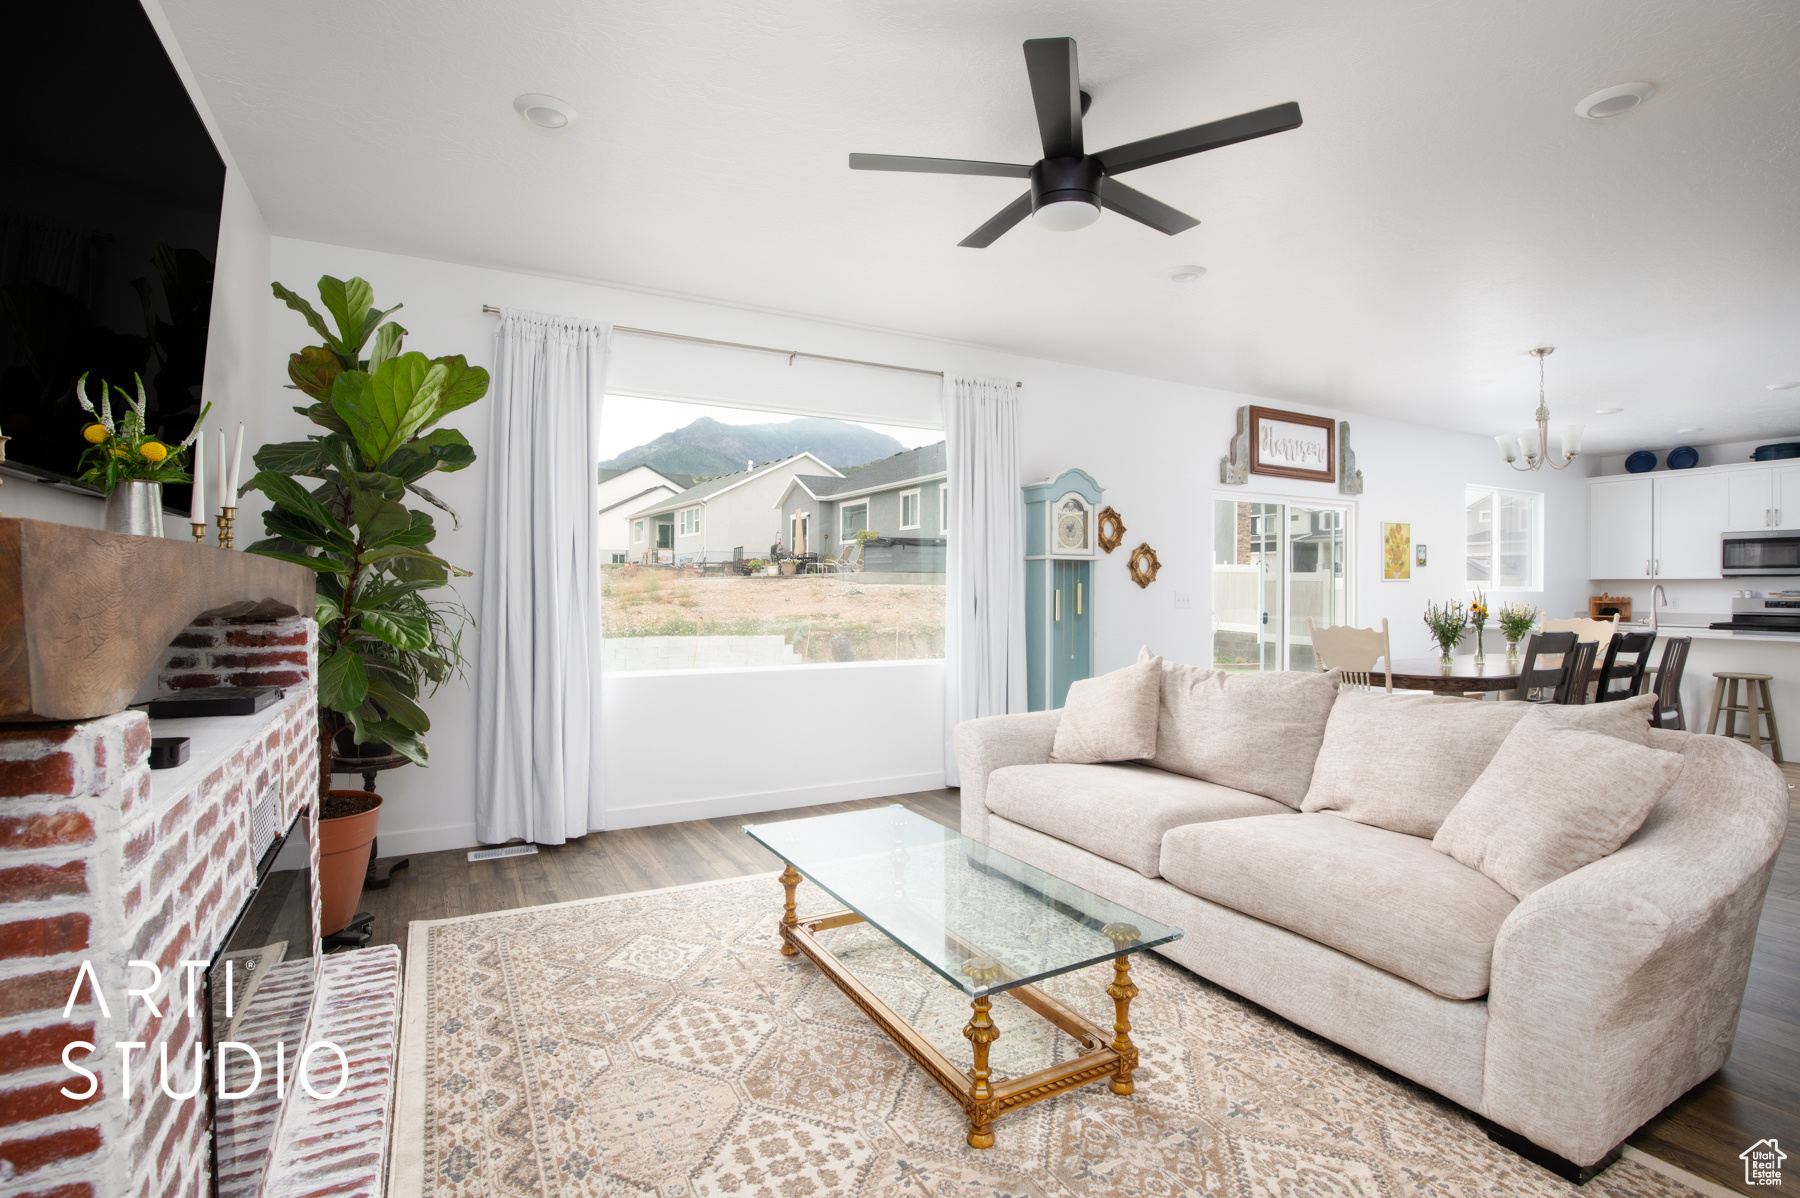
x,y
983,1098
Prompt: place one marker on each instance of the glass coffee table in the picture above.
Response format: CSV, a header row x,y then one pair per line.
x,y
981,920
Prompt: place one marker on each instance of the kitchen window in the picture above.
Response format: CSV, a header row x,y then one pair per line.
x,y
1503,539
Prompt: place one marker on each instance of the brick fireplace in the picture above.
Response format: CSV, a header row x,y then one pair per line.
x,y
104,862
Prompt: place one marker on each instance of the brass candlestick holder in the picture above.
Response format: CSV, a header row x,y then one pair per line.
x,y
227,516
199,529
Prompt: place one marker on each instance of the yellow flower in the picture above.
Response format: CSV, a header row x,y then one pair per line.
x,y
153,451
93,434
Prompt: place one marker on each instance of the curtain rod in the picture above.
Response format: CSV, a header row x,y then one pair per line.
x,y
790,354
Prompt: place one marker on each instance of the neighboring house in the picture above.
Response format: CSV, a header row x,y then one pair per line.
x,y
901,498
722,518
623,492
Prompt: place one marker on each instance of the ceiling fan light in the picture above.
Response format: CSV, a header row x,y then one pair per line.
x,y
1066,216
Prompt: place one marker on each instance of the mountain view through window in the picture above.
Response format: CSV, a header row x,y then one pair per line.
x,y
739,538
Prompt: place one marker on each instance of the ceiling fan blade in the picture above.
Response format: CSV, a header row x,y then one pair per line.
x,y
1210,136
937,166
1003,220
1128,201
1056,90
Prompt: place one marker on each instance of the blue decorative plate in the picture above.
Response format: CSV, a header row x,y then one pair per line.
x,y
1641,461
1684,457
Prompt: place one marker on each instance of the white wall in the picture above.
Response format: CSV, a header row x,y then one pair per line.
x,y
1155,445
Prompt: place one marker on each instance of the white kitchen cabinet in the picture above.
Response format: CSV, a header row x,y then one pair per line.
x,y
1692,509
1751,501
1786,496
1619,528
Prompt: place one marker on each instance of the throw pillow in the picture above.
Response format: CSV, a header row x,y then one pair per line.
x,y
1110,718
1627,719
1252,732
1401,762
1553,800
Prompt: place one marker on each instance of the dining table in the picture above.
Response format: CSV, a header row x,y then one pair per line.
x,y
1464,675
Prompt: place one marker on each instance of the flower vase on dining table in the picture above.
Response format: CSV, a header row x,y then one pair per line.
x,y
1478,615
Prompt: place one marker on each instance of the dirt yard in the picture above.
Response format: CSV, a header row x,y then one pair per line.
x,y
825,618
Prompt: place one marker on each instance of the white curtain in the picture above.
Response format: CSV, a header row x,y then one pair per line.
x,y
537,749
984,641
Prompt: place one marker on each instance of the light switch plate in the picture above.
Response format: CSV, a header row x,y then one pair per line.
x,y
1184,600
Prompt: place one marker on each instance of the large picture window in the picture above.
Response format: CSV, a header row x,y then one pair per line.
x,y
1503,539
758,539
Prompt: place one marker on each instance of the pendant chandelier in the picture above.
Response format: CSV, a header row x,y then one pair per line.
x,y
1534,444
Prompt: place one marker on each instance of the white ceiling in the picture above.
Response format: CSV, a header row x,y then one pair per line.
x,y
1441,211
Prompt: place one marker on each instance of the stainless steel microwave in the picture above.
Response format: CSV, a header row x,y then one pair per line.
x,y
1748,553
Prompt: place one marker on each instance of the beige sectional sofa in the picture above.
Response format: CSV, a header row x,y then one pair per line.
x,y
1569,1017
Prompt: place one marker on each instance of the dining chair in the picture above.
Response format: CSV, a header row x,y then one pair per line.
x,y
1354,651
1667,712
1598,631
1573,689
1633,645
1534,676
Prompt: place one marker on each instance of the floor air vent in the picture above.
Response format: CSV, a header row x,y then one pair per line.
x,y
511,850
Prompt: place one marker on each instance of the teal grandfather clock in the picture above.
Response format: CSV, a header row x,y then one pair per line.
x,y
1059,585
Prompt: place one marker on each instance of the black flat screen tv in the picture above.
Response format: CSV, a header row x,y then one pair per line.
x,y
110,191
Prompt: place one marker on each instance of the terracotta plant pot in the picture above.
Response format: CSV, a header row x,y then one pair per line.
x,y
344,861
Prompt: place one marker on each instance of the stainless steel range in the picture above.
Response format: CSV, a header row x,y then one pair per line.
x,y
1764,613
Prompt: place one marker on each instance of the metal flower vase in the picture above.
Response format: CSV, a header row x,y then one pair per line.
x,y
135,507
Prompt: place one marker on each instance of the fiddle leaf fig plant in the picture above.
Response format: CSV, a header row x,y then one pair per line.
x,y
340,508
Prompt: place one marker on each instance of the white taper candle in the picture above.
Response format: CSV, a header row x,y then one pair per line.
x,y
197,509
224,479
237,459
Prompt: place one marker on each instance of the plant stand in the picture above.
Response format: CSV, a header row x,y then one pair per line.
x,y
381,873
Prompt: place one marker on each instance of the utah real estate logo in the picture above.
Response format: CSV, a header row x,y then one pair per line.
x,y
1762,1163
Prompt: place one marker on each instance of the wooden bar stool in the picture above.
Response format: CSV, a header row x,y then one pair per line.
x,y
1756,707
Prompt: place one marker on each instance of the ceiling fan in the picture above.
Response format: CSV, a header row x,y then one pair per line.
x,y
1069,186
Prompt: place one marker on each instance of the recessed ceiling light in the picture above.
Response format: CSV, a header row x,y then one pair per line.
x,y
1186,274
1784,386
546,112
1611,101
1607,411
1692,428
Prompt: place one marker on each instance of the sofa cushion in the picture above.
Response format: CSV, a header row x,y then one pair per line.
x,y
1254,732
1627,719
1552,800
1119,812
1401,762
1379,896
1112,717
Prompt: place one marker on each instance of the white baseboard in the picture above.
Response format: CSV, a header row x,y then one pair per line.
x,y
650,814
426,840
462,836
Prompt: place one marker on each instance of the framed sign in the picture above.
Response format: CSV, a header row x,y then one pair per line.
x,y
1293,445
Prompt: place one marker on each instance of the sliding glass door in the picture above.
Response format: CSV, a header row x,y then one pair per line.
x,y
1275,565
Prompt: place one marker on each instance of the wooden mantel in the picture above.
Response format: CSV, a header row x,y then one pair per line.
x,y
85,614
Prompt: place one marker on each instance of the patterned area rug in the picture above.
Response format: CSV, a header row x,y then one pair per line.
x,y
660,1044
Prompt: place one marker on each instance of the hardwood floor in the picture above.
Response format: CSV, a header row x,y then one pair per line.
x,y
446,885
1756,1094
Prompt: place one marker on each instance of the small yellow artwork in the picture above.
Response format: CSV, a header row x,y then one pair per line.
x,y
1396,552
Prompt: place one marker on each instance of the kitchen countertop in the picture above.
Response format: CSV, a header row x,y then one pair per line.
x,y
1701,632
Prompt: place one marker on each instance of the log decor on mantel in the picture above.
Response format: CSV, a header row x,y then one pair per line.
x,y
85,615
